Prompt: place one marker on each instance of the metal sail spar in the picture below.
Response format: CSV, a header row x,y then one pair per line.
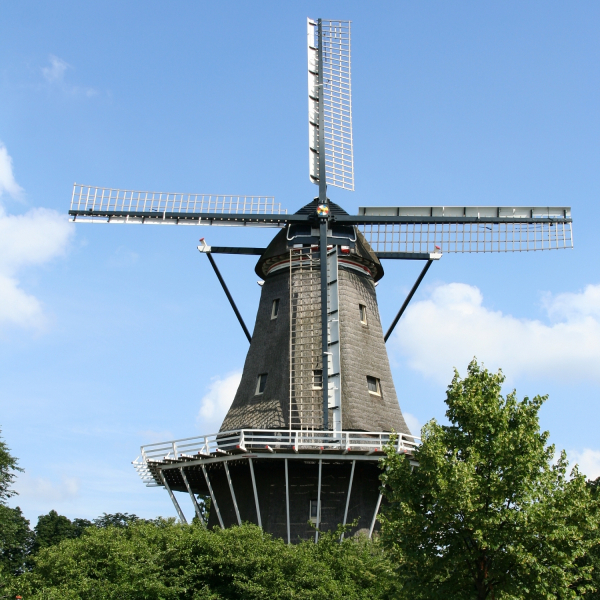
x,y
91,204
334,45
466,229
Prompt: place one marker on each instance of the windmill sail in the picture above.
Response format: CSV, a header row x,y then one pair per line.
x,y
110,205
337,102
417,229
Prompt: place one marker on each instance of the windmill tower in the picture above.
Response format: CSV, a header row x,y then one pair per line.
x,y
298,450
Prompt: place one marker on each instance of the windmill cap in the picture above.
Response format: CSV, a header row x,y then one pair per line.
x,y
278,249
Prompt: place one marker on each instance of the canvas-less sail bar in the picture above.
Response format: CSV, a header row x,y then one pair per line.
x,y
95,204
468,228
337,96
313,100
337,101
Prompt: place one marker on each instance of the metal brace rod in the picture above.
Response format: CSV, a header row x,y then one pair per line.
x,y
194,501
212,496
255,493
348,497
173,499
318,503
287,500
229,296
375,515
408,299
237,512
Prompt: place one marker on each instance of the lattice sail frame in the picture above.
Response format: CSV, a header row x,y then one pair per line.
x,y
90,204
468,237
337,100
92,198
489,229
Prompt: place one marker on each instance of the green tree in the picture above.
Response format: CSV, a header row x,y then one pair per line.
x,y
167,561
15,535
488,513
592,558
115,520
8,470
15,541
51,529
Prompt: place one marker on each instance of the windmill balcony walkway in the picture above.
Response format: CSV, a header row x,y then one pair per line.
x,y
266,443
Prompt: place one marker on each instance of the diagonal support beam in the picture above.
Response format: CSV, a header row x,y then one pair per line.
x,y
287,501
375,516
225,288
259,520
318,503
173,499
213,498
408,299
235,505
348,497
194,501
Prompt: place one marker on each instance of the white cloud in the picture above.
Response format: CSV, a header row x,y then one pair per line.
x,y
54,74
216,402
34,238
413,423
588,461
31,239
56,71
8,184
17,307
452,325
46,491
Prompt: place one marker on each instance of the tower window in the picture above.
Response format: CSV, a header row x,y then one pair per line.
x,y
374,385
313,511
261,382
318,379
275,309
363,313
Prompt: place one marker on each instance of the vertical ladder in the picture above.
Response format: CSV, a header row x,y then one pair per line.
x,y
306,396
334,396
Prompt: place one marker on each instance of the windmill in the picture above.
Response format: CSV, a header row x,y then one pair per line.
x,y
316,403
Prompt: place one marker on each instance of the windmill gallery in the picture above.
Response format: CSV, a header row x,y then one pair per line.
x,y
298,450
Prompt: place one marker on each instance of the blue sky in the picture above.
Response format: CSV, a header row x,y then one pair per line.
x,y
115,336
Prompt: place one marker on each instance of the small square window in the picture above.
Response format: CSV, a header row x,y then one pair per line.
x,y
275,309
363,313
261,382
318,379
374,385
313,511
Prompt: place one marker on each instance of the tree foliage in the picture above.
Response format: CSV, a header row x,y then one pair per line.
x,y
488,513
592,558
164,560
16,540
15,535
8,470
